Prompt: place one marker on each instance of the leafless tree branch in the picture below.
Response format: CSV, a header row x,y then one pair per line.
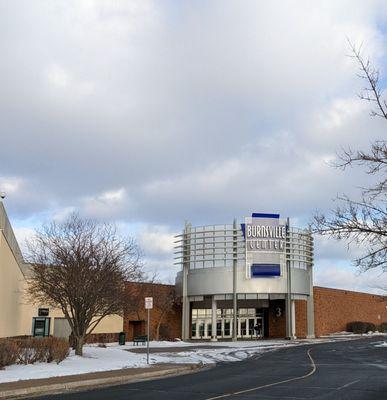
x,y
80,266
363,222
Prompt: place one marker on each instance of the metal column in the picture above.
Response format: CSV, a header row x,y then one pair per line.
x,y
310,301
289,314
213,322
293,319
234,280
185,335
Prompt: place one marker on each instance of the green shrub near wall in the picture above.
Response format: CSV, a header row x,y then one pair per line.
x,y
364,327
383,327
370,327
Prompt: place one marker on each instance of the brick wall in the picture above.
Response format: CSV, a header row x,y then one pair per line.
x,y
277,324
334,308
301,319
103,338
135,316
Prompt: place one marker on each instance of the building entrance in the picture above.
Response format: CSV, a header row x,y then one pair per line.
x,y
250,323
250,327
41,326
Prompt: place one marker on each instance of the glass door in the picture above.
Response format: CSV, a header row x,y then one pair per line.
x,y
201,329
227,328
208,329
259,327
41,326
255,327
243,332
193,330
251,324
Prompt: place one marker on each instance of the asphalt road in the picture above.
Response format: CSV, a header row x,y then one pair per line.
x,y
340,370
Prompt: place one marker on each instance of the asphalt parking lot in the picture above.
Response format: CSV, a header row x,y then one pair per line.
x,y
352,370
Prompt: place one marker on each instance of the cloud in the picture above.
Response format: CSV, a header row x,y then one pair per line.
x,y
341,277
156,239
58,76
62,214
148,112
157,243
10,185
23,234
328,249
105,205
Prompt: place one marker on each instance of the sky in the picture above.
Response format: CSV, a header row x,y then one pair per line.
x,y
150,113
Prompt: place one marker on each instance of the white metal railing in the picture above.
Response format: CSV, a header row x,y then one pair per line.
x,y
224,243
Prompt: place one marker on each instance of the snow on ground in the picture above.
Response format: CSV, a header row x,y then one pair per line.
x,y
354,335
382,344
114,357
180,343
117,357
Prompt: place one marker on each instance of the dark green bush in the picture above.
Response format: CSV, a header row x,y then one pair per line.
x,y
360,327
383,327
370,327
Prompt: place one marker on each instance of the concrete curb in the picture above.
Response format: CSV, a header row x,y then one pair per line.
x,y
58,388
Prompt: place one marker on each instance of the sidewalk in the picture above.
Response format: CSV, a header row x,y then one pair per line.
x,y
38,387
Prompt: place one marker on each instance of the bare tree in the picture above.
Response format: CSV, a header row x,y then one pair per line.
x,y
80,266
135,293
165,302
363,222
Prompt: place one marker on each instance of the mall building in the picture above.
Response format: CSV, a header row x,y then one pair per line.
x,y
249,279
19,315
243,280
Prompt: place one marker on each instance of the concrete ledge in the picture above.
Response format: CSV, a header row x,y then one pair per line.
x,y
40,387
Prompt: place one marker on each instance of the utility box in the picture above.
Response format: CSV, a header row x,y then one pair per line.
x,y
122,338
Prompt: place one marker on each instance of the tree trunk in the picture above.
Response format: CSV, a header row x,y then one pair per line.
x,y
158,331
79,346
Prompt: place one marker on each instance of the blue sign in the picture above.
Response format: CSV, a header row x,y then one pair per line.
x,y
265,215
259,270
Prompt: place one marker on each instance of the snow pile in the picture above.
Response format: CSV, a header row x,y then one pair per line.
x,y
354,335
382,344
95,359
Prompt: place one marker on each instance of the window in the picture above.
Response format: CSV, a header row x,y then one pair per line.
x,y
227,327
209,329
201,329
193,329
218,328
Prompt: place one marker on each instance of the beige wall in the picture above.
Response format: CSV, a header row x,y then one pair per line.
x,y
16,312
110,324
